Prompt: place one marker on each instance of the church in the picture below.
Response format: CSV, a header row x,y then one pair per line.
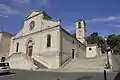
x,y
44,43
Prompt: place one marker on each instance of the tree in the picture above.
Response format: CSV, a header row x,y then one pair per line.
x,y
114,43
74,35
94,34
112,40
94,38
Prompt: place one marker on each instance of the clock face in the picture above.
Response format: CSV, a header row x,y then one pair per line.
x,y
31,25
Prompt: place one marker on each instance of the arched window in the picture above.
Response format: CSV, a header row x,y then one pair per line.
x,y
30,42
79,24
48,40
17,47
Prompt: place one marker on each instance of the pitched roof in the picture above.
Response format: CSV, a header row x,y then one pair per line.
x,y
39,12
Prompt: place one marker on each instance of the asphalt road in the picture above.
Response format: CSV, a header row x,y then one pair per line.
x,y
47,75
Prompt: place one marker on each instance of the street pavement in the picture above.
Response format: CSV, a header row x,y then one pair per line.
x,y
50,75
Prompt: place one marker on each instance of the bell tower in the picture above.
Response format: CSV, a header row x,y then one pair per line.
x,y
81,31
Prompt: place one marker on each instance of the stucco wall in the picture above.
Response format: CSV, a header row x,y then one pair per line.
x,y
95,51
92,52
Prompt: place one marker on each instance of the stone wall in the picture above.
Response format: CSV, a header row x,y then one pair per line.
x,y
5,43
115,62
68,44
20,61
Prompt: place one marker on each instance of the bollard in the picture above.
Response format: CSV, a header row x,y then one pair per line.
x,y
105,75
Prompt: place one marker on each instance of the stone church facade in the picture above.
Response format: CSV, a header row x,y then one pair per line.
x,y
43,43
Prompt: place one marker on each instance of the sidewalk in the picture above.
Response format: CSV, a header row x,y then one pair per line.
x,y
72,70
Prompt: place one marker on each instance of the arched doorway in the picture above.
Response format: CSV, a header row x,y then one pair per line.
x,y
29,48
73,54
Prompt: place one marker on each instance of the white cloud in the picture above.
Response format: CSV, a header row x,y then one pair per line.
x,y
45,2
21,1
5,16
41,3
20,7
105,19
115,25
31,3
7,10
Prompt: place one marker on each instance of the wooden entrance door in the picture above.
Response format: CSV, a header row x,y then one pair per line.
x,y
30,48
73,53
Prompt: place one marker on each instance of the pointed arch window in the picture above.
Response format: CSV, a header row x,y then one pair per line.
x,y
17,47
48,41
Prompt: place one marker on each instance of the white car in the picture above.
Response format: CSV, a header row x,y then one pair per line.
x,y
4,67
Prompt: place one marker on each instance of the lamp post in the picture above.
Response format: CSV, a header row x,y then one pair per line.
x,y
107,50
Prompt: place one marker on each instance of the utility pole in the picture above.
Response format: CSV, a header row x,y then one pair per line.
x,y
107,55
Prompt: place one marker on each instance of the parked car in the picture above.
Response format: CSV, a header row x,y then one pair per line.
x,y
4,67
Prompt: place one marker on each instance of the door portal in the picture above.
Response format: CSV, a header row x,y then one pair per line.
x,y
30,48
73,53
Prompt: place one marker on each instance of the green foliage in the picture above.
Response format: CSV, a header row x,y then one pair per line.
x,y
74,35
94,38
94,34
114,42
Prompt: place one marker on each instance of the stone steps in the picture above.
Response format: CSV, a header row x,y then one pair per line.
x,y
97,63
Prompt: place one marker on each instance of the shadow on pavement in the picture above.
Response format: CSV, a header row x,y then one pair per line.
x,y
86,78
9,73
117,77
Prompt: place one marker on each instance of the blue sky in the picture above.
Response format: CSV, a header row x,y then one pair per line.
x,y
102,16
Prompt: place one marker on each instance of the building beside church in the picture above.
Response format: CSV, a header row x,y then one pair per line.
x,y
93,50
5,43
42,42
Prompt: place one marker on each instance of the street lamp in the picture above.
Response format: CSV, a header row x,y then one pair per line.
x,y
107,50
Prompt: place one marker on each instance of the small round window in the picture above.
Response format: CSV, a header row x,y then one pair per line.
x,y
32,24
90,49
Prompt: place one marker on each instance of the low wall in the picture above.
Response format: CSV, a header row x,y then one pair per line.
x,y
115,62
20,61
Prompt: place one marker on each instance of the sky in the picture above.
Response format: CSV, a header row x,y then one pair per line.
x,y
102,16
